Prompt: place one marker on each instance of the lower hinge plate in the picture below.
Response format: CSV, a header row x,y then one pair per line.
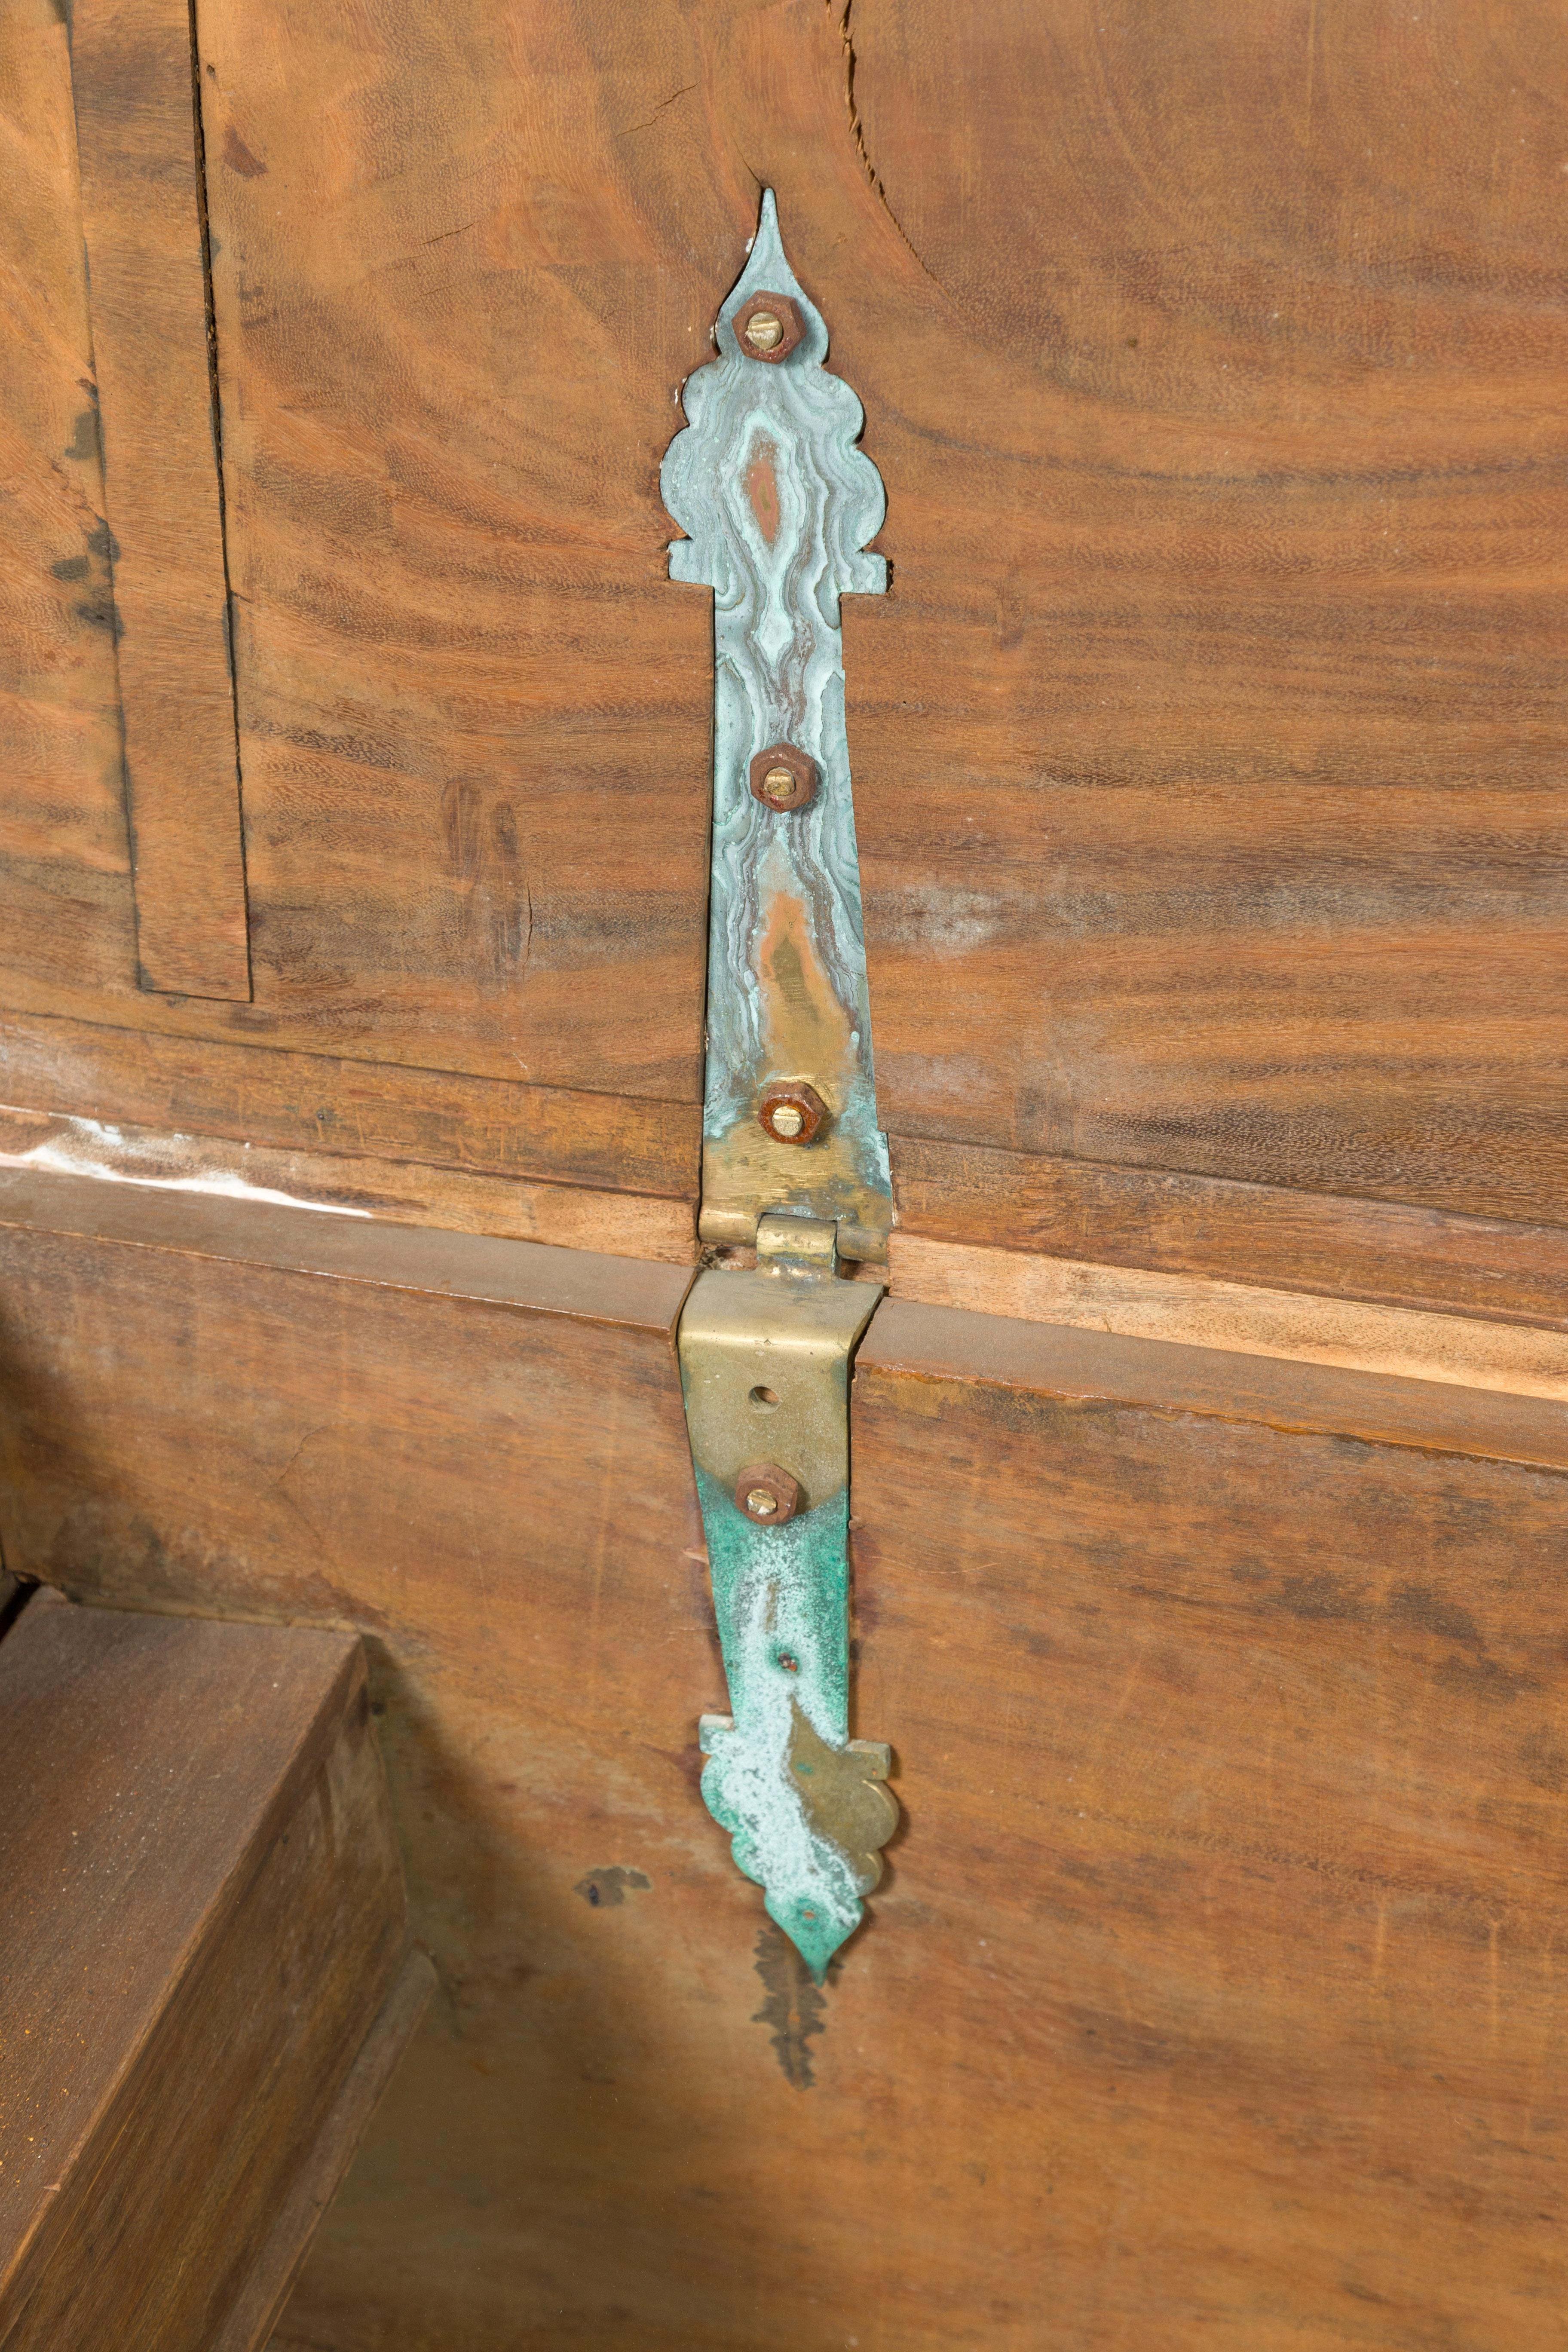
x,y
765,1367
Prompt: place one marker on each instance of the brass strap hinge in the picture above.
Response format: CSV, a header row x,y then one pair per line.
x,y
778,503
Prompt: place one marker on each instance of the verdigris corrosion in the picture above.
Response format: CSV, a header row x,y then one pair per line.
x,y
778,503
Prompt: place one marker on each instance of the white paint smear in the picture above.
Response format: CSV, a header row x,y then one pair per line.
x,y
81,1154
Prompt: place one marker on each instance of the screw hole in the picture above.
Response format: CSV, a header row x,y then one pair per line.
x,y
765,1399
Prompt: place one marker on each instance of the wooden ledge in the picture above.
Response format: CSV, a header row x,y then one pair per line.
x,y
1462,1346
536,1277
951,1344
929,1338
204,1951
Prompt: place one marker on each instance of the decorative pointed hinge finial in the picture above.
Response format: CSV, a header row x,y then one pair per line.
x,y
778,503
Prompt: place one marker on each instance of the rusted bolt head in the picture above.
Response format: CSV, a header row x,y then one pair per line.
x,y
768,326
767,1495
792,1112
784,777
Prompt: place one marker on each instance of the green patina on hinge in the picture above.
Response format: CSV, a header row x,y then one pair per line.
x,y
778,503
764,1363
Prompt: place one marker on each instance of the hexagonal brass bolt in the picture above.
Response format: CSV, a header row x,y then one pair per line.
x,y
791,1111
768,326
784,779
767,1495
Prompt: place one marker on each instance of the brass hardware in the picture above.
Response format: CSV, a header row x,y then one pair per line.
x,y
792,1112
778,499
841,1790
791,1245
778,502
787,1331
803,1802
784,777
768,326
768,1496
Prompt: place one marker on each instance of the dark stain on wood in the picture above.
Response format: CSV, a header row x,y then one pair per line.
x,y
84,441
794,2009
238,157
606,1889
494,910
65,914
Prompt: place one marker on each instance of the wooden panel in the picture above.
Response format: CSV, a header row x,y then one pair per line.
x,y
1211,2000
375,1135
324,1102
261,2299
1245,1319
1096,1368
475,716
1471,1350
65,914
1243,1831
1238,1233
1208,750
575,1284
142,215
201,1916
395,1191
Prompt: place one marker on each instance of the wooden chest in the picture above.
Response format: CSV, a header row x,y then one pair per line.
x,y
357,810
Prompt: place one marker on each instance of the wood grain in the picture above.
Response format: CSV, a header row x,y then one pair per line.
x,y
313,1111
143,215
201,1914
1207,752
1097,1367
66,913
1472,1348
339,1104
1207,748
1243,1317
475,719
529,1276
1376,1250
566,1216
250,2318
1211,1995
1243,1837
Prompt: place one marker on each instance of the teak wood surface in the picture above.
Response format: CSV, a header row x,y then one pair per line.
x,y
1207,749
202,1916
1207,757
1212,1998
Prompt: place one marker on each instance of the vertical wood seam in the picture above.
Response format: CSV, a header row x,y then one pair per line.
x,y
215,398
135,71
